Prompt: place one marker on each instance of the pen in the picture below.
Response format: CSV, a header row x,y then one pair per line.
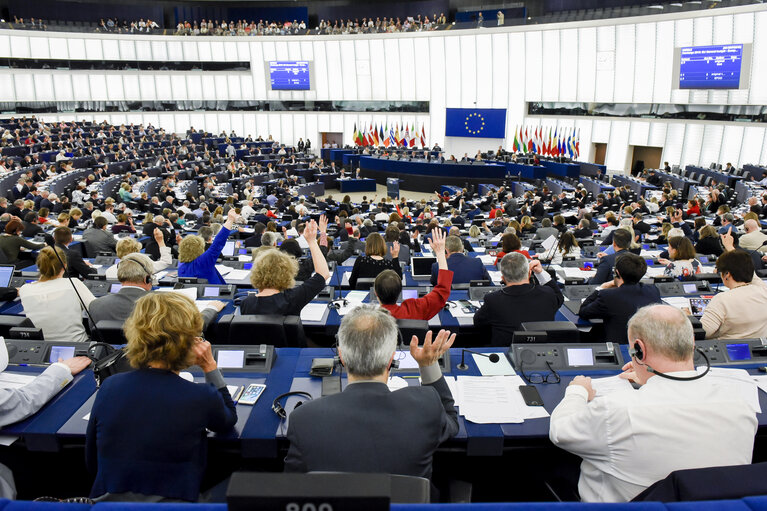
x,y
407,377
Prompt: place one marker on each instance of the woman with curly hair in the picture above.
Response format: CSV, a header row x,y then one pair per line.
x,y
147,432
274,273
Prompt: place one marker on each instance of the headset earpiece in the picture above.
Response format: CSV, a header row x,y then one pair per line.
x,y
638,353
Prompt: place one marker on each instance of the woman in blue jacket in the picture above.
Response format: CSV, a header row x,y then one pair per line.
x,y
195,261
147,432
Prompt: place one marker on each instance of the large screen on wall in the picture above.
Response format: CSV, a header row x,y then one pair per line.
x,y
289,75
711,67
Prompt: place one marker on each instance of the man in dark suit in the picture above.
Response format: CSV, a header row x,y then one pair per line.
x,y
135,274
640,226
334,433
464,268
76,267
520,300
617,300
31,225
621,243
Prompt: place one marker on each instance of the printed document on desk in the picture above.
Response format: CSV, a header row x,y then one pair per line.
x,y
314,312
189,292
488,368
610,385
494,400
237,275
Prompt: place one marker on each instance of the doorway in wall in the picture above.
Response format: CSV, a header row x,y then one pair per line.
x,y
649,158
330,138
600,149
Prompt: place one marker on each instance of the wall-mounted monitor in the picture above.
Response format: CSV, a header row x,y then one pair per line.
x,y
290,74
723,66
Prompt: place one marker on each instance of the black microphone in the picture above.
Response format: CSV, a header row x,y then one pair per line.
x,y
492,356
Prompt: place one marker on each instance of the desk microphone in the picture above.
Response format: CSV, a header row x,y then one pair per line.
x,y
492,356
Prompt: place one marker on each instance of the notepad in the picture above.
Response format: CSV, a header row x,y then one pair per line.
x,y
313,311
487,368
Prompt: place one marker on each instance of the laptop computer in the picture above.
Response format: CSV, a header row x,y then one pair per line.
x,y
420,267
6,274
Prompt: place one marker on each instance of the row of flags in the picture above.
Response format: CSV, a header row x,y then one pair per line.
x,y
557,142
390,136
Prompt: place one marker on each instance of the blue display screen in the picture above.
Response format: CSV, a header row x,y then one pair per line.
x,y
738,352
710,67
289,75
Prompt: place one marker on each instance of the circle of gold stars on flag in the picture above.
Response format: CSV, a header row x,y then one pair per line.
x,y
474,123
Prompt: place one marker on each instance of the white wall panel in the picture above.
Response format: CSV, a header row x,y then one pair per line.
x,y
39,48
246,86
617,147
438,98
743,28
644,67
230,52
194,87
258,72
203,51
657,134
703,31
20,47
348,70
568,65
422,74
336,85
551,62
500,71
533,46
483,86
190,50
600,132
407,68
44,87
759,62
115,90
605,75
225,123
178,86
80,87
753,138
132,88
217,51
111,49
711,144
76,48
587,63
93,49
25,87
143,50
5,46
62,89
175,51
233,86
453,86
222,86
147,86
321,70
127,49
723,26
693,142
639,133
625,43
163,85
731,142
98,87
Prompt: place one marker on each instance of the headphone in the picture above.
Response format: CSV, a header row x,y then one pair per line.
x,y
636,352
132,258
279,410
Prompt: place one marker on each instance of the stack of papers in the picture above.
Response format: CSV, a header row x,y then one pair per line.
x,y
494,400
353,300
495,276
487,260
606,386
189,292
313,312
223,269
237,275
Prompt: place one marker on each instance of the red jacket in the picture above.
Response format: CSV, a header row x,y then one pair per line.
x,y
428,306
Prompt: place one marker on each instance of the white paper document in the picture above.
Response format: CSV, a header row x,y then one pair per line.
x,y
237,275
494,400
479,250
458,311
495,276
313,311
396,383
761,382
487,260
14,380
223,269
488,368
606,386
189,292
679,302
203,304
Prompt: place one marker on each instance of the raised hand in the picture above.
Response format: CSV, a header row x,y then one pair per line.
x,y
430,352
395,249
323,224
438,241
310,232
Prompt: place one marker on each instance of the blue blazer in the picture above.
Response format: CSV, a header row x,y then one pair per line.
x,y
204,267
464,268
604,269
616,306
147,433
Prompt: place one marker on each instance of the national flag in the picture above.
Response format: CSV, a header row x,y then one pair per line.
x,y
371,138
354,135
391,139
375,134
548,144
423,136
397,139
406,140
529,140
578,144
522,144
381,129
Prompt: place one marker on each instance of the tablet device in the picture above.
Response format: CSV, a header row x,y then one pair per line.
x,y
251,394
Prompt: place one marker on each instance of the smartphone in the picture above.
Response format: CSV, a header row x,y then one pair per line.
x,y
467,307
251,394
530,395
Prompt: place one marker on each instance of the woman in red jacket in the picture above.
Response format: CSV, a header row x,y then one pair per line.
x,y
693,208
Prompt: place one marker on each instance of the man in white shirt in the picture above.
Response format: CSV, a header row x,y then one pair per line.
x,y
753,239
629,439
247,212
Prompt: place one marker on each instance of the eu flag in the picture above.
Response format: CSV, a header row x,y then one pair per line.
x,y
475,122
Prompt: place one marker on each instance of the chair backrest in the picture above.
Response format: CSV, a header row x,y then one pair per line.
x,y
714,483
280,331
410,327
110,332
364,284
